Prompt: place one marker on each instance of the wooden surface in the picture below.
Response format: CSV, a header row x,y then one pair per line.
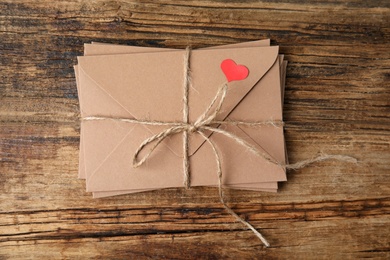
x,y
337,101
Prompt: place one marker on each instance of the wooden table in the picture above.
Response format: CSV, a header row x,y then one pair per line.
x,y
337,101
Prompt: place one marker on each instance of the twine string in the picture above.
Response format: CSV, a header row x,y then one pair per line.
x,y
207,122
221,197
186,83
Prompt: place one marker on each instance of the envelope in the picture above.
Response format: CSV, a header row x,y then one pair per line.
x,y
110,90
99,49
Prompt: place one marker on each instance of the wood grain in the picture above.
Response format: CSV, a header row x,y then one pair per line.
x,y
337,101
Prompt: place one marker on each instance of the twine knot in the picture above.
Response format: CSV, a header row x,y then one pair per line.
x,y
192,128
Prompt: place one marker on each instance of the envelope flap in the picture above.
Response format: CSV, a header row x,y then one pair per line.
x,y
207,79
207,76
150,85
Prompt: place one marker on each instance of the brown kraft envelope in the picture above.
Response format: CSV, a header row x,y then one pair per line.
x,y
148,86
99,49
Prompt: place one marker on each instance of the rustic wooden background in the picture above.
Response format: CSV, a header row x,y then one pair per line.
x,y
337,101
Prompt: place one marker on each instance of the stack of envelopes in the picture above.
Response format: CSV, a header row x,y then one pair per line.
x,y
143,83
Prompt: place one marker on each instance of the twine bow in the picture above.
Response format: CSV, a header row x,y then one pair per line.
x,y
207,122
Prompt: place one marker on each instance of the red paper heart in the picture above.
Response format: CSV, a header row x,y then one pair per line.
x,y
233,71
